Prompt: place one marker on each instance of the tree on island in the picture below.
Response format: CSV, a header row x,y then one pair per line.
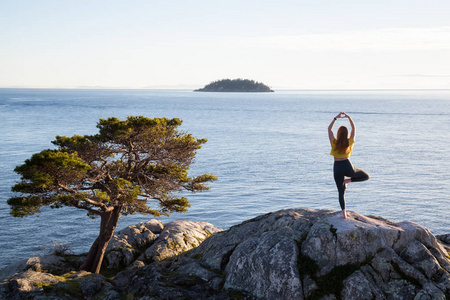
x,y
137,165
235,85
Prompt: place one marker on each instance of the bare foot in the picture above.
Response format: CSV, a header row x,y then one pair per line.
x,y
346,181
344,214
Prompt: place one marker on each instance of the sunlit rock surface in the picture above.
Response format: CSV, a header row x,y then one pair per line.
x,y
288,254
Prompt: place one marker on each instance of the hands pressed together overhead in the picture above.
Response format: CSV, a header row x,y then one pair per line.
x,y
342,115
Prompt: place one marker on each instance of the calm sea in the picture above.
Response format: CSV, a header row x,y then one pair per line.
x,y
270,151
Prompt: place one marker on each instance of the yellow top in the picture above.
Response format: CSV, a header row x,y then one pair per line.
x,y
347,153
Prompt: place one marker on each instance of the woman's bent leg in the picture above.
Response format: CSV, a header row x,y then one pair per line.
x,y
359,175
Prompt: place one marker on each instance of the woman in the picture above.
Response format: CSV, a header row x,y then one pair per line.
x,y
341,149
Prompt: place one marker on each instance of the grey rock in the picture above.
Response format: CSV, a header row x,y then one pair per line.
x,y
266,267
48,263
444,238
334,241
28,276
400,289
410,231
154,226
216,283
91,284
132,236
111,295
26,283
357,287
375,282
140,242
123,247
309,286
178,237
137,264
288,254
194,268
113,259
216,250
390,260
430,291
49,297
129,256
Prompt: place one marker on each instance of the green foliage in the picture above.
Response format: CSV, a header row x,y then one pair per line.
x,y
24,206
137,165
47,167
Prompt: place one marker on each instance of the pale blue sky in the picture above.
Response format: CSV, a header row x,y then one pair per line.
x,y
313,44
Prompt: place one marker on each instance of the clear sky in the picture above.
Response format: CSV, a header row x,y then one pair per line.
x,y
315,44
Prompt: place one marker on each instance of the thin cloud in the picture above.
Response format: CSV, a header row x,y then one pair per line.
x,y
390,39
424,75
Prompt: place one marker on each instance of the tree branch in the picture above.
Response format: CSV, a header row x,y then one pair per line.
x,y
90,201
95,203
93,211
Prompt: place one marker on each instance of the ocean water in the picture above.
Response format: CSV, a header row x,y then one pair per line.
x,y
270,152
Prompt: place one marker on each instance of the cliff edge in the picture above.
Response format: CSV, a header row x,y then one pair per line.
x,y
288,254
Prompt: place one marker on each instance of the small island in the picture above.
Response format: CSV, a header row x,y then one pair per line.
x,y
236,86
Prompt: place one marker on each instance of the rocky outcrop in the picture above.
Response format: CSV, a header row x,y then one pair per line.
x,y
129,248
305,254
73,285
289,254
178,237
445,240
152,241
127,244
43,264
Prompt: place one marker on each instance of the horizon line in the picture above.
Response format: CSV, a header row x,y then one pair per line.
x,y
186,88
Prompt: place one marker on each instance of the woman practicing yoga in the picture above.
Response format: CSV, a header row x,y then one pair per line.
x,y
341,149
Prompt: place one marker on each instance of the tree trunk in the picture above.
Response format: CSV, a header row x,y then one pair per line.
x,y
95,256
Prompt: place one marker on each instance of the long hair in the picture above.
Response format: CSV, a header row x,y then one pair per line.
x,y
342,140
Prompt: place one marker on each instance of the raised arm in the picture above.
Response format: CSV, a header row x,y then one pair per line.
x,y
352,124
330,127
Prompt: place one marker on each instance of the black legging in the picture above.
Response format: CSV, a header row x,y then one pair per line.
x,y
344,168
